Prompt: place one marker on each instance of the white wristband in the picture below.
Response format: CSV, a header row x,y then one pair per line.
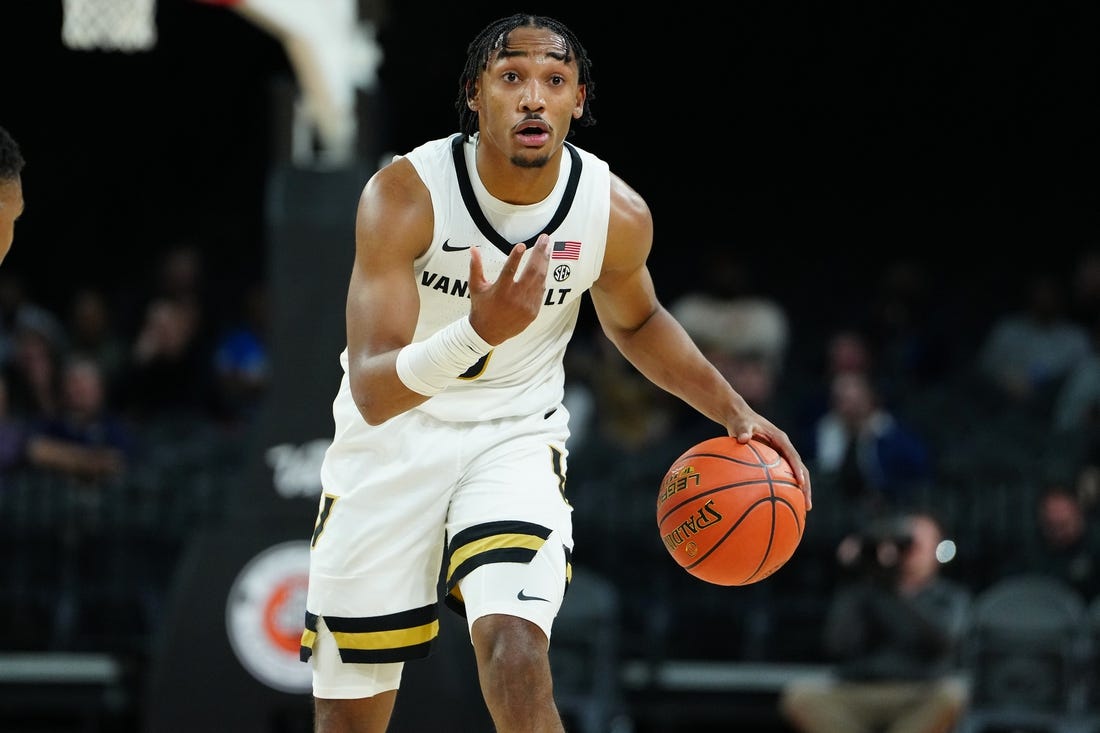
x,y
427,367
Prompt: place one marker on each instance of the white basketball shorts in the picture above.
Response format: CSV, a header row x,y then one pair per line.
x,y
415,507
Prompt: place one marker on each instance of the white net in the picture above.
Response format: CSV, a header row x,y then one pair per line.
x,y
109,25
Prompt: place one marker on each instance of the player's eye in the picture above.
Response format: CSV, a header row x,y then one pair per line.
x,y
510,76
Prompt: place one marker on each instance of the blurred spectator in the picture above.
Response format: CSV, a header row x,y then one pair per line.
x,y
903,325
745,337
33,373
17,309
168,375
86,438
876,462
178,274
1026,354
1086,288
242,363
1066,544
629,415
1087,477
13,436
92,333
846,349
894,630
181,274
1076,411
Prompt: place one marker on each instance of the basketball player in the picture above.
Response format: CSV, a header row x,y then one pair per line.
x,y
472,254
11,190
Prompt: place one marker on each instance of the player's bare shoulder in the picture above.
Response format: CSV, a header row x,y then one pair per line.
x,y
630,229
396,207
396,183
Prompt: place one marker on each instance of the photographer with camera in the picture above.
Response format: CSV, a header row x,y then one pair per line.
x,y
893,629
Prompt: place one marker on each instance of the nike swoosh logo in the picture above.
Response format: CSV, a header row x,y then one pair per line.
x,y
448,248
524,597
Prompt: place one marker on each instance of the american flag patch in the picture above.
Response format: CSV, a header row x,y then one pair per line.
x,y
566,251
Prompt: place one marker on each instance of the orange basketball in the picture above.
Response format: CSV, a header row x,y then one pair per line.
x,y
731,514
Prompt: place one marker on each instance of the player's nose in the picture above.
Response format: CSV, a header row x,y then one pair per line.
x,y
532,98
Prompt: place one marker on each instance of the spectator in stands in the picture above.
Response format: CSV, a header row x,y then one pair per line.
x,y
1086,476
905,326
1026,354
1066,543
1077,400
242,362
13,436
168,376
846,349
894,630
1086,287
745,336
92,332
86,438
33,373
875,462
18,309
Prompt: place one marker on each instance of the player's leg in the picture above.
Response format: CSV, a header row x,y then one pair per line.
x,y
512,607
514,672
368,715
372,601
350,698
510,538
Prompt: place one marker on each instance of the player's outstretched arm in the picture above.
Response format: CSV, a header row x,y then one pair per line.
x,y
655,342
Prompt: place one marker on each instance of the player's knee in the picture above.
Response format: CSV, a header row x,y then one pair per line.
x,y
510,649
363,715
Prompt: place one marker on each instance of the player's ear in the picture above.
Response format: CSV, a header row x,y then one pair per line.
x,y
578,107
473,94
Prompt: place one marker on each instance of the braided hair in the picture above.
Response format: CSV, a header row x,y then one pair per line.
x,y
11,159
493,38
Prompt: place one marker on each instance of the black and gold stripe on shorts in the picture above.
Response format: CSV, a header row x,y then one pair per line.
x,y
505,541
395,637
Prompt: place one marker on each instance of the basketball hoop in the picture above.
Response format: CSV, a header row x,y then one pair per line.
x,y
109,25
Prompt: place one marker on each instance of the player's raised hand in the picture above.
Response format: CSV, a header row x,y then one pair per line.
x,y
501,309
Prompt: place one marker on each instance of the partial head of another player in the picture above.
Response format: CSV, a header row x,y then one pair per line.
x,y
11,189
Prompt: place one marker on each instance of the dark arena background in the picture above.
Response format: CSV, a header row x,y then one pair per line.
x,y
797,152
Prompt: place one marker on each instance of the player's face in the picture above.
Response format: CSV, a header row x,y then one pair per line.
x,y
528,96
11,206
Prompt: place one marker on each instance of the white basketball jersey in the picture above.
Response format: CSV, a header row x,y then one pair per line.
x,y
525,374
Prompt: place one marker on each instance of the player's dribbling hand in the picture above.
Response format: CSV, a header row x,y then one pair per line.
x,y
502,309
760,428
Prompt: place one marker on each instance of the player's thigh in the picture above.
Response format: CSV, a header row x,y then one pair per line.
x,y
531,590
335,679
376,553
510,527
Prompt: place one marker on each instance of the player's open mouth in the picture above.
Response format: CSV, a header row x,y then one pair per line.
x,y
533,133
533,137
